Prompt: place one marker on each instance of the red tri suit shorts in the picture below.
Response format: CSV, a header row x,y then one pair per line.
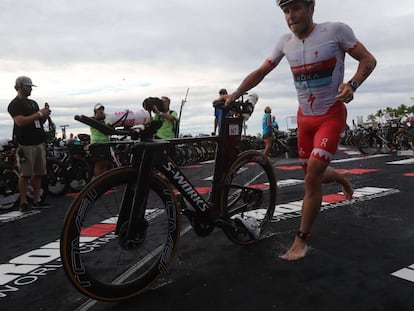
x,y
318,136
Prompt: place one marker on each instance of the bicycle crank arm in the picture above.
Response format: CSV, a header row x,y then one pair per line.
x,y
228,224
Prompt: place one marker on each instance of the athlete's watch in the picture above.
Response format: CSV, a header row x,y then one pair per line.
x,y
354,84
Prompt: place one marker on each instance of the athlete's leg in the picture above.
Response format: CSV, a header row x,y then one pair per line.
x,y
310,207
306,131
326,133
332,175
327,138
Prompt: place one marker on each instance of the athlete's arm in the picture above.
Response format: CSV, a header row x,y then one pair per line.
x,y
252,79
367,63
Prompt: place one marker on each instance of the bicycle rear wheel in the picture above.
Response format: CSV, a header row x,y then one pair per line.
x,y
403,141
80,172
370,144
94,254
9,188
55,179
276,149
249,197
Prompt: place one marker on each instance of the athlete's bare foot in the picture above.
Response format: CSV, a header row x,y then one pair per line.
x,y
347,188
297,251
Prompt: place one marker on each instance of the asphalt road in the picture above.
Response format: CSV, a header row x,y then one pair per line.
x,y
361,252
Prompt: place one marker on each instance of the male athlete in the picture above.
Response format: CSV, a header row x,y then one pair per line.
x,y
316,54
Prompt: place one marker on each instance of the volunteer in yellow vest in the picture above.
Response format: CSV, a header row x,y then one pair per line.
x,y
101,155
169,118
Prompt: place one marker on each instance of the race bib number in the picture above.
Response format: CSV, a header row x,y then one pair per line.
x,y
233,129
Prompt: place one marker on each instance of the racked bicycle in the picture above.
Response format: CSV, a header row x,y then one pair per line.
x,y
395,137
122,230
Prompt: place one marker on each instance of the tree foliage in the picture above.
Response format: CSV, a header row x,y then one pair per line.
x,y
401,110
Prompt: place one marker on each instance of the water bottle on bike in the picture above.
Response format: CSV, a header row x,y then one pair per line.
x,y
127,117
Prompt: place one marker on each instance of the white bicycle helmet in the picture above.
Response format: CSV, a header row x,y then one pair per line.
x,y
284,2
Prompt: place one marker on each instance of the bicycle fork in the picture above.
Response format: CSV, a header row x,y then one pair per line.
x,y
132,225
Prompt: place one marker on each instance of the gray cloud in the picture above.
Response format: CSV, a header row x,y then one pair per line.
x,y
118,53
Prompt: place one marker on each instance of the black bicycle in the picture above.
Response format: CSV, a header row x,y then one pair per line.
x,y
9,177
122,230
393,138
279,143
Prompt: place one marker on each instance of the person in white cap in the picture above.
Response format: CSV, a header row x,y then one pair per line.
x,y
101,154
316,56
30,137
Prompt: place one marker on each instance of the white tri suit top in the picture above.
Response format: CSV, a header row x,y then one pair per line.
x,y
317,65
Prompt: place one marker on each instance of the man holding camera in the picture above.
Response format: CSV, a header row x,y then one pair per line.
x,y
30,137
169,118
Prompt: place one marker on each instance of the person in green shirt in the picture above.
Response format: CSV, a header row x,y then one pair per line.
x,y
169,118
101,154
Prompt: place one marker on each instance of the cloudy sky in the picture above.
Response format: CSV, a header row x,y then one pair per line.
x,y
118,53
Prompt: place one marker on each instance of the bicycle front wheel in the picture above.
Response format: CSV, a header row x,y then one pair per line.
x,y
95,254
249,197
370,144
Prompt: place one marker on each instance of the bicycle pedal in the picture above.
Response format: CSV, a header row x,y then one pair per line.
x,y
251,225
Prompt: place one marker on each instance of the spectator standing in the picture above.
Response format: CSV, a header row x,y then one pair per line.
x,y
100,152
169,118
410,119
275,125
267,130
30,137
218,112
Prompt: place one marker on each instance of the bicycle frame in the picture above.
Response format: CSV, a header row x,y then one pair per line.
x,y
279,141
230,137
381,136
378,133
152,155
